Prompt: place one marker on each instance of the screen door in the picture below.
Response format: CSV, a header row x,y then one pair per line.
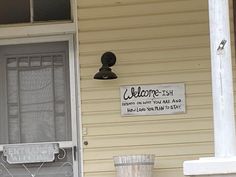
x,y
35,108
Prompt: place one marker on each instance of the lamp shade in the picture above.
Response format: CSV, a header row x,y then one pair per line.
x,y
105,73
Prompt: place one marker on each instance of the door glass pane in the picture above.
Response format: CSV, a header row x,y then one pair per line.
x,y
14,11
37,101
12,84
14,133
47,10
12,109
12,62
35,61
47,60
59,84
23,62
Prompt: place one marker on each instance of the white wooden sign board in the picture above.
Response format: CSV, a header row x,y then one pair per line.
x,y
30,153
152,99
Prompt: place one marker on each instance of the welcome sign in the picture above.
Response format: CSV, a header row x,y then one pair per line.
x,y
152,99
30,153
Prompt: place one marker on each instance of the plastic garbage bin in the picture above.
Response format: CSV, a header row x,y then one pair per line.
x,y
134,165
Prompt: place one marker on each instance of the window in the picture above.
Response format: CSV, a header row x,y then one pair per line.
x,y
25,11
45,10
14,11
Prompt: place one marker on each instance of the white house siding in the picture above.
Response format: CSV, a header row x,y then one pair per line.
x,y
155,41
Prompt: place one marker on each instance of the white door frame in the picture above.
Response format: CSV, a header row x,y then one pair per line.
x,y
74,91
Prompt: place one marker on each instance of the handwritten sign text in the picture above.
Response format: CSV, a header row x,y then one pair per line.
x,y
152,99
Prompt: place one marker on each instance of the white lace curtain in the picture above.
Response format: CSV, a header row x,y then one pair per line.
x,y
37,99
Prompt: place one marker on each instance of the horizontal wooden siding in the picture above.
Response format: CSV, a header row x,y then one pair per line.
x,y
155,41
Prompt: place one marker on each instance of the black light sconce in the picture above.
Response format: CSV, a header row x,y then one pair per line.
x,y
108,59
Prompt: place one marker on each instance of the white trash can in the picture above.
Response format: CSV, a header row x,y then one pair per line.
x,y
134,165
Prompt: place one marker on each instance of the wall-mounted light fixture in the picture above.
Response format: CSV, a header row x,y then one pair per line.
x,y
108,59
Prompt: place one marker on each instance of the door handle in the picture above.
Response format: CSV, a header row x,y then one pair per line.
x,y
75,152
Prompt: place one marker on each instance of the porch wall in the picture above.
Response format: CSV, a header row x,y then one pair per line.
x,y
155,41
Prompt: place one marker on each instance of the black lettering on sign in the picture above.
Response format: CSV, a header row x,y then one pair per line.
x,y
150,109
153,93
165,101
159,108
176,100
141,109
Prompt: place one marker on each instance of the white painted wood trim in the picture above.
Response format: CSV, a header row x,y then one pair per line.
x,y
78,89
210,166
54,38
31,11
73,103
29,30
224,161
222,82
73,10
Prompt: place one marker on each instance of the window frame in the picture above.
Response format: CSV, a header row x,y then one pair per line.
x,y
31,16
50,28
